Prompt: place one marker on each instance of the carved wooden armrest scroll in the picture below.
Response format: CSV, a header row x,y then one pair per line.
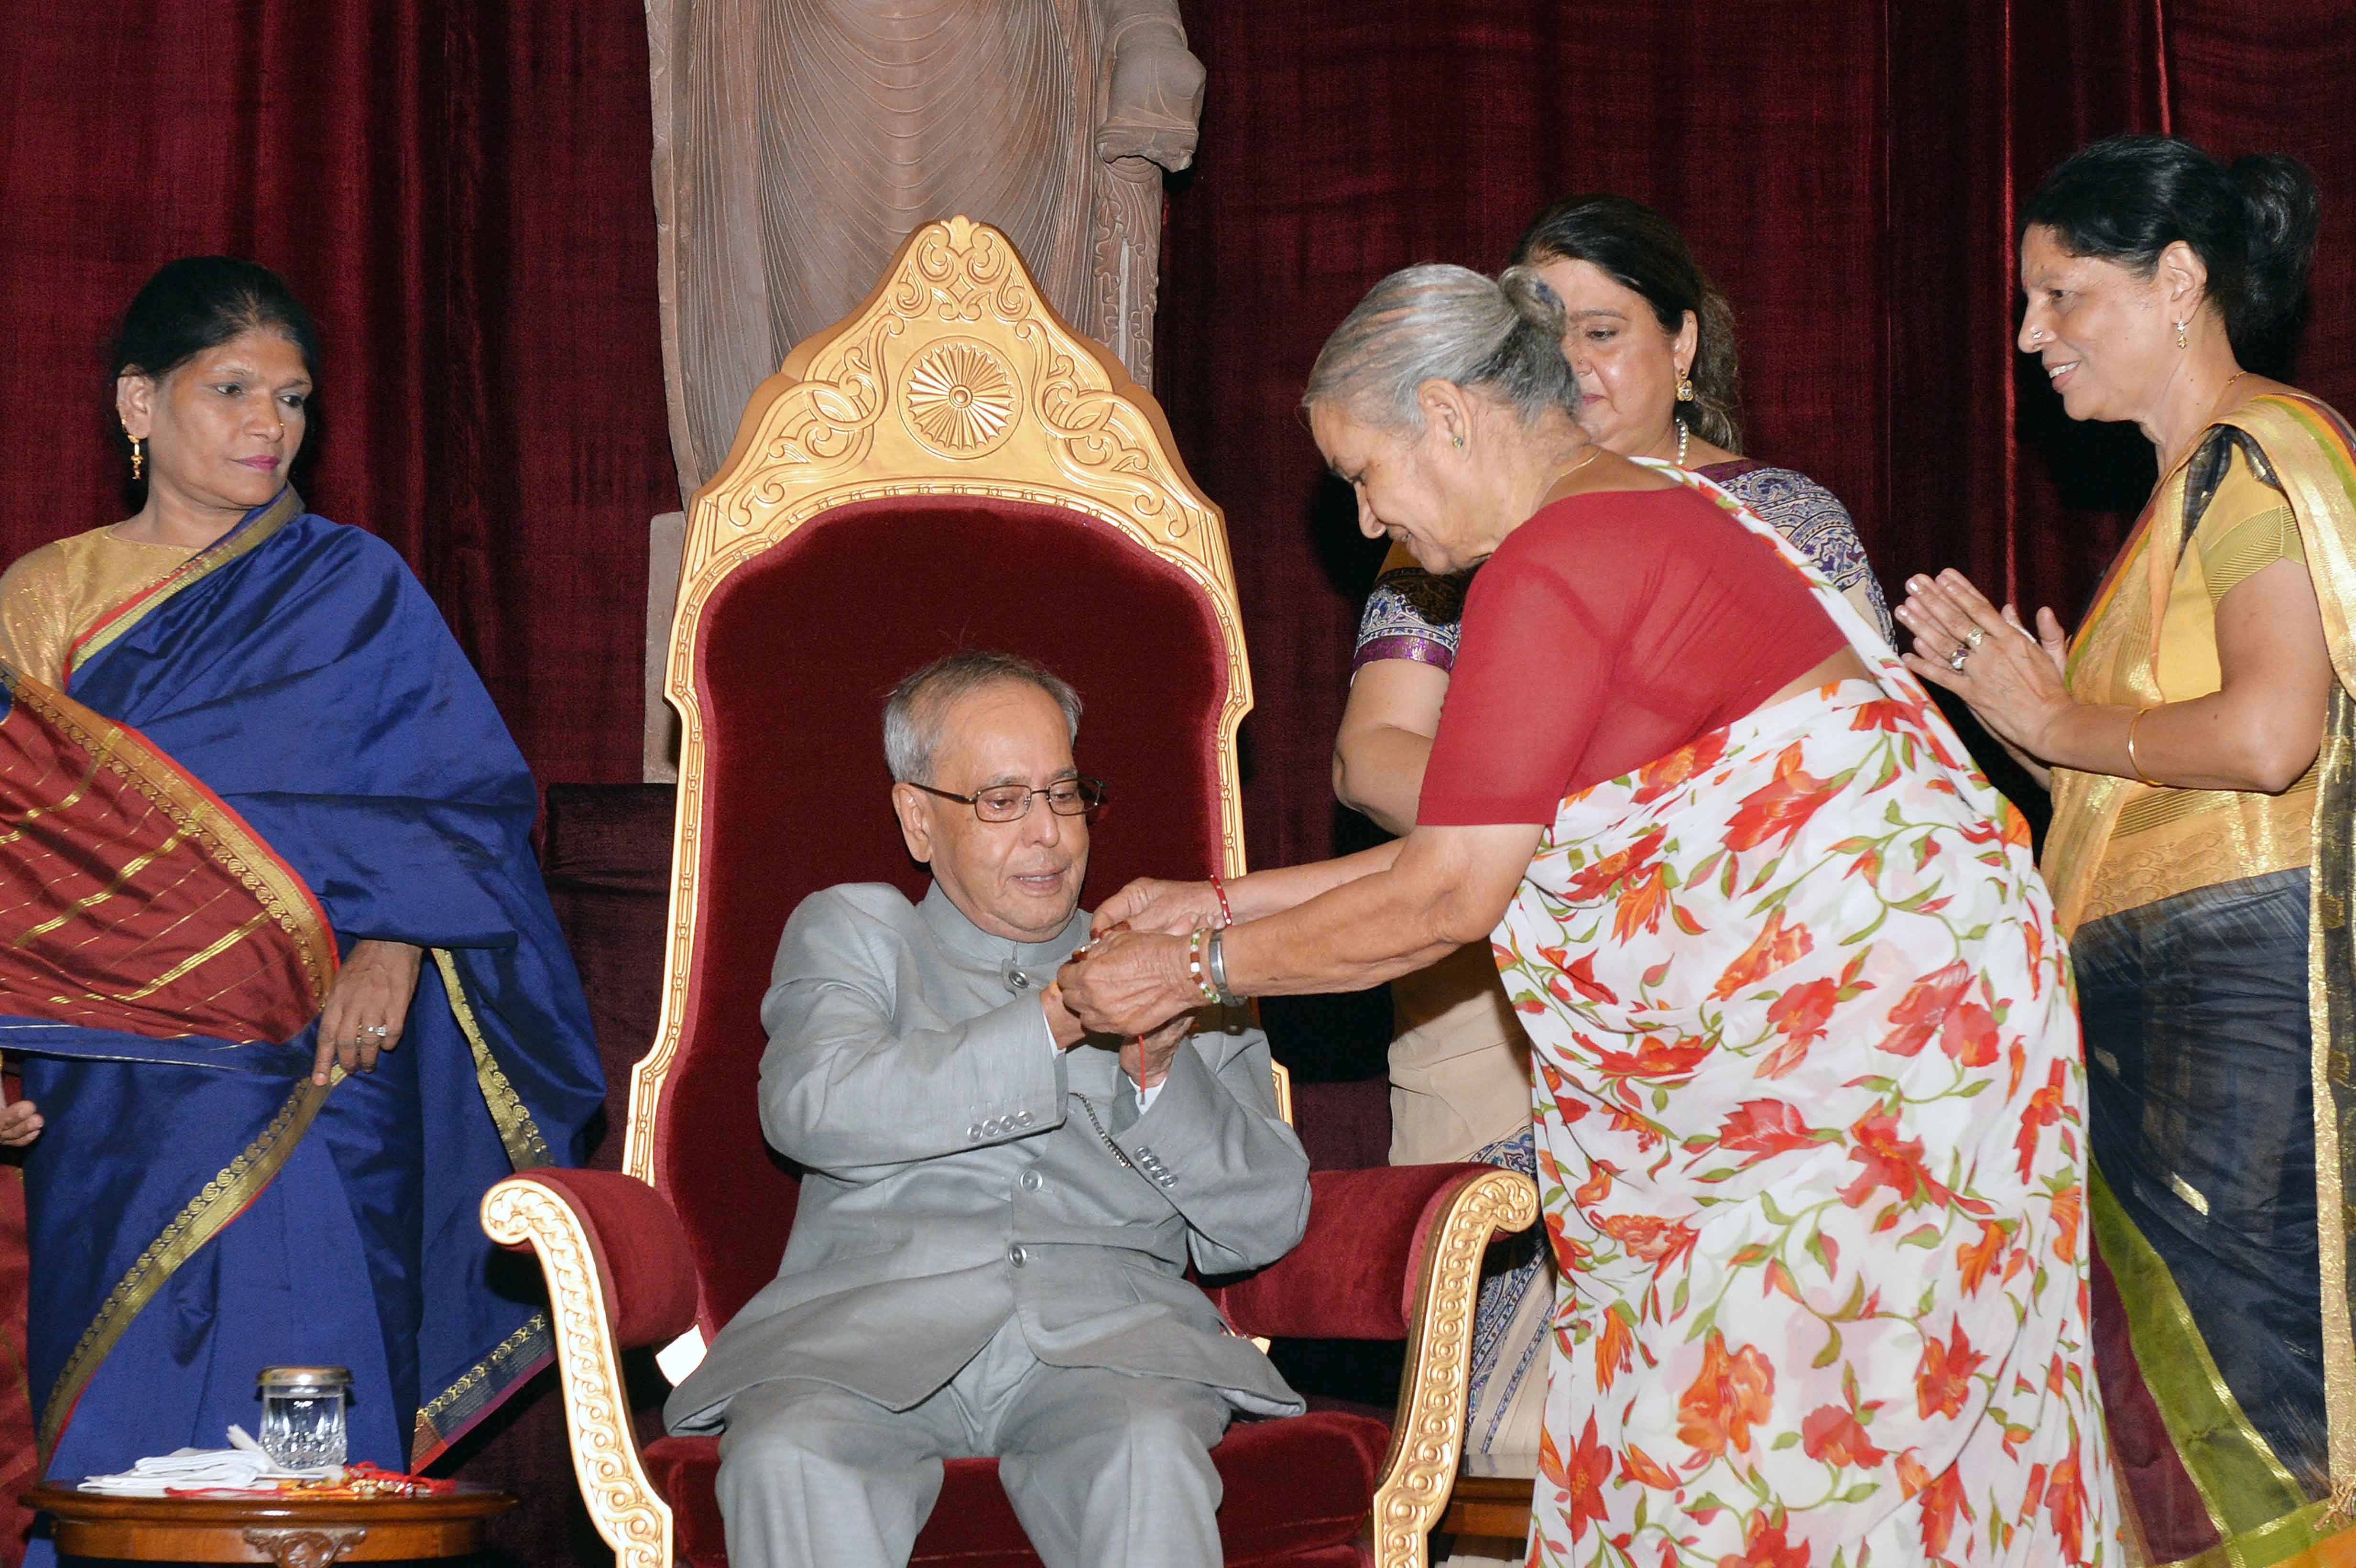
x,y
1427,1436
623,1503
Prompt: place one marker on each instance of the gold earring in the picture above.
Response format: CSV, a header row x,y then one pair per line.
x,y
138,459
1684,388
1458,442
2181,343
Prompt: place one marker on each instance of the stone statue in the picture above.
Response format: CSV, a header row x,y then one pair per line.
x,y
799,142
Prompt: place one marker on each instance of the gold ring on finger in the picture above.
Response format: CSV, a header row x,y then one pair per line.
x,y
1976,636
1956,660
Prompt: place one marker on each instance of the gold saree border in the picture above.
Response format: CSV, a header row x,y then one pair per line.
x,y
522,1353
2330,983
532,1344
117,622
2324,504
201,816
2242,1483
2301,1539
527,1148
218,1203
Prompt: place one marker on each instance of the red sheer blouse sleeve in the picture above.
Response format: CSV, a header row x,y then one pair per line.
x,y
1532,676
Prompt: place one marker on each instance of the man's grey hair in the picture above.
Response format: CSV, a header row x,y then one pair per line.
x,y
911,713
1433,322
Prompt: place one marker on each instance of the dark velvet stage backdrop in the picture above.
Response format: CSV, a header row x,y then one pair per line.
x,y
1847,169
460,188
459,191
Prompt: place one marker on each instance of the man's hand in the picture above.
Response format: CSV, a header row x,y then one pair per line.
x,y
1130,983
1146,1058
1061,1022
366,1009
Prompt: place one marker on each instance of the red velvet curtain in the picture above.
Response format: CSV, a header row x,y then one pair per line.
x,y
458,189
1847,169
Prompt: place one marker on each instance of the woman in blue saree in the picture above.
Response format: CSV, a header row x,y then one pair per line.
x,y
282,978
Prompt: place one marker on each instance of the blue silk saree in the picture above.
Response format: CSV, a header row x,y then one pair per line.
x,y
277,751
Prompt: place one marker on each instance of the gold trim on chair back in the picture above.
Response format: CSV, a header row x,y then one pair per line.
x,y
954,378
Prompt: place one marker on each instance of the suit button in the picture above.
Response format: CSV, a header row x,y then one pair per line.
x,y
1024,1119
1031,1182
1016,1255
993,1126
973,1134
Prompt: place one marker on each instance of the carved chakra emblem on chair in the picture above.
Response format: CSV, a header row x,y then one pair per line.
x,y
959,397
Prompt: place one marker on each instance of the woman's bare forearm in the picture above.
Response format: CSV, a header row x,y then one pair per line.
x,y
1262,894
1353,937
2208,742
1435,894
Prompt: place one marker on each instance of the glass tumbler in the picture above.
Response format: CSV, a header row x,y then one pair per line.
x,y
302,1414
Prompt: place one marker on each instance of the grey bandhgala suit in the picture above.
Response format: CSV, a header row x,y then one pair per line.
x,y
973,1269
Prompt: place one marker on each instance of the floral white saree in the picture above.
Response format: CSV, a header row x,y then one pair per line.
x,y
1811,1146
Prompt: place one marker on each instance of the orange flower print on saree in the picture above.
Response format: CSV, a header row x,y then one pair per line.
x,y
1730,1395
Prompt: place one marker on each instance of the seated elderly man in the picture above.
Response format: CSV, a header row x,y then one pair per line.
x,y
987,1258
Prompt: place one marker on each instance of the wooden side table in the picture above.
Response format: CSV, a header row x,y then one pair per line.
x,y
293,1532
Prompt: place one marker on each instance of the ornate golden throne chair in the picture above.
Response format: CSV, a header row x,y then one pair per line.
x,y
951,465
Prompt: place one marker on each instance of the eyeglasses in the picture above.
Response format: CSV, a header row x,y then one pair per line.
x,y
1011,803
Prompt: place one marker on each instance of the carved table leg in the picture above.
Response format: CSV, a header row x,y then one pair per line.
x,y
306,1548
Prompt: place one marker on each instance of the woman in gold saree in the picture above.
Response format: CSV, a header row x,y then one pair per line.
x,y
2197,733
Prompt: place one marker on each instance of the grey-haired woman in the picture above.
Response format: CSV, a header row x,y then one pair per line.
x,y
1810,1107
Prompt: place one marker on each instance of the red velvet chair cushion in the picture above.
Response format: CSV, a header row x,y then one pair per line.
x,y
643,1263
1354,1274
799,647
1296,1494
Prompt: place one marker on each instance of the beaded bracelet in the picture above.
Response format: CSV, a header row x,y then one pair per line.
x,y
1226,912
1195,965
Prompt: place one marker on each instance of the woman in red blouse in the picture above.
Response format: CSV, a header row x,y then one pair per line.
x,y
1810,1109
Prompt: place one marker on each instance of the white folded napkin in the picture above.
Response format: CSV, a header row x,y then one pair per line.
x,y
241,1467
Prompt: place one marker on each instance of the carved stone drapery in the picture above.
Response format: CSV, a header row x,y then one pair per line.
x,y
799,142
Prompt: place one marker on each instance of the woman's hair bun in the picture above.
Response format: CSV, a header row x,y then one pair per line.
x,y
1501,336
1534,300
2280,208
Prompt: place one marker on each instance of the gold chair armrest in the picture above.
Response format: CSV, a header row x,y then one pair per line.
x,y
1411,1490
623,1503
